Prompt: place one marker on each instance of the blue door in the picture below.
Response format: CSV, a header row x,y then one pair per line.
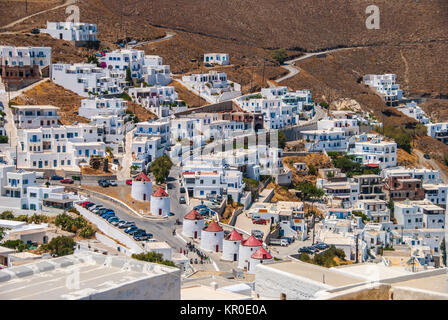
x,y
40,163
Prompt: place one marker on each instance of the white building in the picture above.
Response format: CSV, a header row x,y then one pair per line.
x,y
160,203
247,249
427,176
212,237
328,139
408,214
349,126
373,150
202,180
376,210
72,31
102,107
213,86
231,246
144,150
438,131
411,109
192,225
35,116
436,193
19,190
280,108
160,100
217,58
25,56
261,256
87,79
386,86
141,188
155,72
63,147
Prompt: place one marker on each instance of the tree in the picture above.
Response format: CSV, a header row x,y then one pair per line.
x,y
3,139
153,257
2,233
61,246
129,75
280,55
87,232
161,168
93,59
281,140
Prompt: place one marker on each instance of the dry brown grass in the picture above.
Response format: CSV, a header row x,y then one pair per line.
x,y
49,93
436,109
192,100
406,159
281,193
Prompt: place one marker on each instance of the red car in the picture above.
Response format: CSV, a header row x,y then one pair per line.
x,y
67,181
129,181
84,203
260,221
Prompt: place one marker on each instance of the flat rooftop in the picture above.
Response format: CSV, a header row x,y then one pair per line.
x,y
199,292
315,273
437,283
36,107
47,280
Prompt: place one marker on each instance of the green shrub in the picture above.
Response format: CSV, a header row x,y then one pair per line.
x,y
61,246
153,257
87,232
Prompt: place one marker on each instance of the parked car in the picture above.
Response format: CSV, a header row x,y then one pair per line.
x,y
106,216
35,31
259,221
257,234
131,228
320,246
96,207
126,224
112,183
426,156
208,65
129,182
201,206
182,200
83,204
309,250
136,231
88,206
67,181
103,183
169,185
56,178
182,190
113,218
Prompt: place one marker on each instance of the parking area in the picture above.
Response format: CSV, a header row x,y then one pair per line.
x,y
244,222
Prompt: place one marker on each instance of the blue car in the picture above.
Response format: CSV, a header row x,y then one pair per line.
x,y
136,232
107,216
113,218
201,206
133,228
55,177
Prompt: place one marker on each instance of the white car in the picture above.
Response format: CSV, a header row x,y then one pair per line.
x,y
113,183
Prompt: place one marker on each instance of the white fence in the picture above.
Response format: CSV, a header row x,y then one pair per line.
x,y
111,231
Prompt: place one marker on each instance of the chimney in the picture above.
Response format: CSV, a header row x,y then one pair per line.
x,y
214,285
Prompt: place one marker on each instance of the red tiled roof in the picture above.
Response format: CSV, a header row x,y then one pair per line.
x,y
142,177
213,227
160,193
252,242
261,254
234,236
193,215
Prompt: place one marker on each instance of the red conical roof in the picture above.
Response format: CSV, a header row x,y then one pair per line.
x,y
235,236
213,227
261,254
193,215
252,242
160,193
142,177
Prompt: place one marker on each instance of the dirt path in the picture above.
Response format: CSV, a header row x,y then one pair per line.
x,y
432,163
12,24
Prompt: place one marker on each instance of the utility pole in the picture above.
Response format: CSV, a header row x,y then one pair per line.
x,y
264,65
357,249
26,6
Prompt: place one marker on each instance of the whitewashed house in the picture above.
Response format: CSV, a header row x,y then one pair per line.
x,y
375,209
333,139
436,193
217,58
426,175
386,86
102,107
79,32
87,79
374,151
411,109
213,86
438,131
24,56
35,116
